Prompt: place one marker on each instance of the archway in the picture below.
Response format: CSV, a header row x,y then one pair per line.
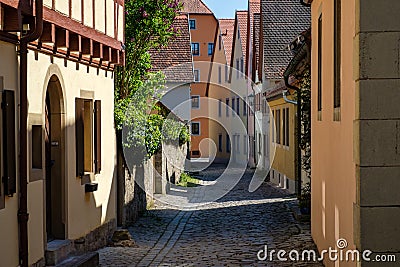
x,y
55,151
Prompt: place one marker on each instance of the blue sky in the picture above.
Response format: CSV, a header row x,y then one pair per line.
x,y
226,8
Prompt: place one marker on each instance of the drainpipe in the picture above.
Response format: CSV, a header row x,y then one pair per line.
x,y
287,100
298,103
23,215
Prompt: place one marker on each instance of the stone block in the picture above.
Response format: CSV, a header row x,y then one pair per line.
x,y
378,186
379,229
379,143
378,99
378,16
379,55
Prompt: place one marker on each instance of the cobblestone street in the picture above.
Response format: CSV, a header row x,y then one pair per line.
x,y
226,232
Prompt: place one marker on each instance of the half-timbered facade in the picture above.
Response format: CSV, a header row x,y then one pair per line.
x,y
58,151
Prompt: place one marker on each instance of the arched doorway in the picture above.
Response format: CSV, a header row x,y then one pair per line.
x,y
55,150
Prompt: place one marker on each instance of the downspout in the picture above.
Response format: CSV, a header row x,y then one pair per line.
x,y
287,100
23,215
298,133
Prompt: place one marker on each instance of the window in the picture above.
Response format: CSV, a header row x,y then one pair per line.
x,y
192,24
238,106
237,68
245,144
320,64
233,106
244,107
287,128
220,143
242,66
37,146
9,153
195,128
278,126
219,75
195,49
265,145
219,107
195,102
228,144
226,73
197,75
88,140
273,127
227,107
210,49
337,54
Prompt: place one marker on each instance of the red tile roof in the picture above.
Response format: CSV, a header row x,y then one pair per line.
x,y
254,7
227,31
195,7
175,60
242,23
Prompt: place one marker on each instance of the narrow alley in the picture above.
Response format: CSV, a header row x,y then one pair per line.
x,y
227,232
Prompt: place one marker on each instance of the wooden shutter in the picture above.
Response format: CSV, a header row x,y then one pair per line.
x,y
97,136
79,135
9,178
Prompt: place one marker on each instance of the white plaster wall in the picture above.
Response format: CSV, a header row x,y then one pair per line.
x,y
76,10
99,16
62,6
120,23
177,99
110,17
88,13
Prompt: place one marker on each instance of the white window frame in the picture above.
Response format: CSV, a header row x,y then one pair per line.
x,y
195,96
195,24
191,128
196,79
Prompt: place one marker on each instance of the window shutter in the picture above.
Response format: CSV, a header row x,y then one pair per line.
x,y
97,136
9,178
79,135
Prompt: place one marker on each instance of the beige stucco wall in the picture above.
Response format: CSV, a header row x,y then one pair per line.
x,y
85,211
333,167
104,12
8,216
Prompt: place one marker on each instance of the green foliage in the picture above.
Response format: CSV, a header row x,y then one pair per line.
x,y
305,198
148,26
305,142
188,181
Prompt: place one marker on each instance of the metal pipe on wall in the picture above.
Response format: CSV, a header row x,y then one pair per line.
x,y
23,215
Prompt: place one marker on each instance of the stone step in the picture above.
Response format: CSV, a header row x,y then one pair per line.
x,y
57,251
87,260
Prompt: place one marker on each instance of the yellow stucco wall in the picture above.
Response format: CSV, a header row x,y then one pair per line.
x,y
283,157
333,169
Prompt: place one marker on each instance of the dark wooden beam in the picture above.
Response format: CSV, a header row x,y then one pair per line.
x,y
75,26
49,34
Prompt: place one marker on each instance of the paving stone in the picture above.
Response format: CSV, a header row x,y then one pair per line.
x,y
227,232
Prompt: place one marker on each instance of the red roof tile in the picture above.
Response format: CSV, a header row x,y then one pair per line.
x,y
195,7
175,60
242,23
227,31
